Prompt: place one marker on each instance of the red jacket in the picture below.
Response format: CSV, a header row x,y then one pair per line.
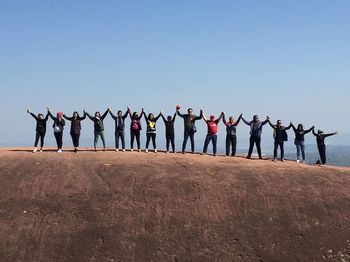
x,y
212,127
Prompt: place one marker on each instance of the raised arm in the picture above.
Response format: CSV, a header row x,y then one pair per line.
x,y
309,130
125,115
52,117
179,114
246,122
268,121
112,115
105,114
89,116
204,117
288,127
156,118
218,120
33,115
82,117
173,119
224,119
313,132
238,120
142,112
68,118
200,115
330,134
295,130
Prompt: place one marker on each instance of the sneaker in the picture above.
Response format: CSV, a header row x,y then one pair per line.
x,y
40,150
298,161
274,159
35,149
214,154
146,151
117,149
167,152
131,150
139,150
282,159
75,150
59,151
248,157
155,151
123,149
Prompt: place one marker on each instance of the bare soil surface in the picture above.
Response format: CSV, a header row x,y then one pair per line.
x,y
131,206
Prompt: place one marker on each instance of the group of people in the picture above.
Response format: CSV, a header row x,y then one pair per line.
x,y
256,126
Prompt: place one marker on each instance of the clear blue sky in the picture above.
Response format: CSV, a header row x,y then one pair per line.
x,y
287,59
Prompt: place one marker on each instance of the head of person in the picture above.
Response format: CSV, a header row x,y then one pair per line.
x,y
169,118
75,115
279,123
97,114
212,118
40,116
255,118
150,116
135,115
231,119
119,113
59,115
300,127
190,111
320,132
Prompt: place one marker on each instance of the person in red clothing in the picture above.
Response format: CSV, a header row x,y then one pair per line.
x,y
212,124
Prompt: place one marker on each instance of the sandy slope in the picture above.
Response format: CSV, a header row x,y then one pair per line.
x,y
110,206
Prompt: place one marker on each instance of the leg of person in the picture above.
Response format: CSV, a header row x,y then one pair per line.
x,y
192,141
138,140
251,145
275,146
322,150
37,136
282,150
57,142
42,138
102,134
132,138
186,134
206,143
116,135
228,143
297,144
258,142
148,138
214,140
122,137
302,148
153,136
172,140
96,139
167,136
73,139
234,145
78,139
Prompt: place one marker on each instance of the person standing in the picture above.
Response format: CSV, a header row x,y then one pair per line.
x,y
212,125
280,135
189,127
98,127
58,127
40,129
231,138
151,132
135,129
321,146
299,141
255,134
169,131
119,128
75,128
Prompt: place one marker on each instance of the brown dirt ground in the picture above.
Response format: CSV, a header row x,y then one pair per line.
x,y
115,206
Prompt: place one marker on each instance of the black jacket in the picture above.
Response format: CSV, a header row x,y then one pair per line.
x,y
75,127
40,123
119,121
98,122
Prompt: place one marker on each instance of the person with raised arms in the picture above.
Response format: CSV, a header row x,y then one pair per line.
x,y
169,131
119,128
231,137
40,129
58,127
98,127
189,127
151,131
299,141
212,125
280,135
135,129
255,134
321,146
75,128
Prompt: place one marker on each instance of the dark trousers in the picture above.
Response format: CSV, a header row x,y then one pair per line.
x,y
300,148
59,136
170,138
149,136
231,141
188,133
281,145
40,135
119,135
322,152
254,140
135,134
213,139
75,139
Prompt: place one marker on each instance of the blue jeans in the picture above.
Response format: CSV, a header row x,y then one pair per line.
x,y
188,133
213,139
119,134
300,147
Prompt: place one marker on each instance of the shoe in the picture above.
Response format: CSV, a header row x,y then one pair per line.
x,y
260,157
174,151
117,149
248,157
155,151
183,152
298,161
75,150
146,151
131,150
104,149
139,150
214,154
167,152
35,149
59,151
40,150
282,160
274,160
123,149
